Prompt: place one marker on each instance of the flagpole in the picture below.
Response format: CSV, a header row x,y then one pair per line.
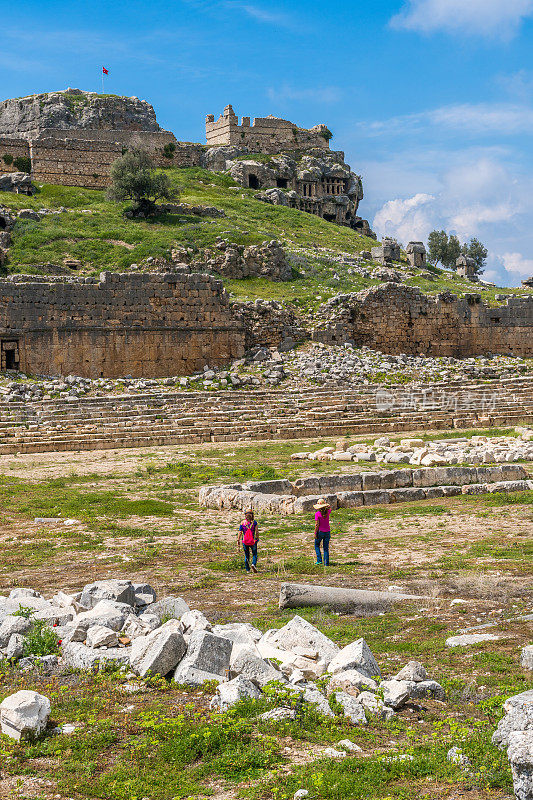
x,y
102,81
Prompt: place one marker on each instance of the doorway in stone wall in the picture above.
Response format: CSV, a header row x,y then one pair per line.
x,y
253,181
10,355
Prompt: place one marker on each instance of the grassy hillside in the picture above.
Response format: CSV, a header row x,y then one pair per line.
x,y
104,240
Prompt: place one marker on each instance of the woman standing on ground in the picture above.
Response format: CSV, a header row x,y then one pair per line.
x,y
249,537
322,531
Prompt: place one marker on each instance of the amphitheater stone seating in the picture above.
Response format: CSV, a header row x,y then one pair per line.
x,y
182,417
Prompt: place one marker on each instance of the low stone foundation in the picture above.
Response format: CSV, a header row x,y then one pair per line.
x,y
365,488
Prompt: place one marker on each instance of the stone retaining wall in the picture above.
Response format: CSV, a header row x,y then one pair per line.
x,y
17,148
401,319
140,325
365,489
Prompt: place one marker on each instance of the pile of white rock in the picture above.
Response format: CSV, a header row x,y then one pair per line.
x,y
439,452
121,623
347,364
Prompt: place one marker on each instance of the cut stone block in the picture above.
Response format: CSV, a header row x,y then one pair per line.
x,y
352,709
207,655
300,633
119,590
358,656
24,714
158,653
168,608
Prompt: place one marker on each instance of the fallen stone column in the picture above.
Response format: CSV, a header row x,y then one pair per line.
x,y
354,601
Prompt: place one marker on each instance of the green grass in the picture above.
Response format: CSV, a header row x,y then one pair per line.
x,y
92,238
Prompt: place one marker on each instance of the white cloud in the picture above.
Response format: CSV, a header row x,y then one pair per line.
x,y
409,219
323,94
475,198
516,263
498,19
468,118
260,14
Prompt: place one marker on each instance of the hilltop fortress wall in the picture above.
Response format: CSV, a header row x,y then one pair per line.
x,y
76,160
144,325
264,134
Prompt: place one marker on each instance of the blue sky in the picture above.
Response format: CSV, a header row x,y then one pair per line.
x,y
432,100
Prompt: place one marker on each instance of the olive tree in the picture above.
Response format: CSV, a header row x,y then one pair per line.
x,y
134,177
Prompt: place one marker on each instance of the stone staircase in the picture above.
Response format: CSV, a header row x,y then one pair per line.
x,y
156,419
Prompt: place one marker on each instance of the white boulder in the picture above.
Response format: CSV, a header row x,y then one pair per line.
x,y
24,714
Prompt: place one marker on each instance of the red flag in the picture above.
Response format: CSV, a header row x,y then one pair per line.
x,y
105,71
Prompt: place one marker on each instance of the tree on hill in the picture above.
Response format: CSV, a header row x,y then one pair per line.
x,y
476,251
446,250
443,249
134,177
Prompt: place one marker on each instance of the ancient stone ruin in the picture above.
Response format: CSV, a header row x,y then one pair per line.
x,y
263,135
466,268
132,324
416,253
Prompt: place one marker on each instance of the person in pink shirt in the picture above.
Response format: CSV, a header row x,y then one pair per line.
x,y
322,531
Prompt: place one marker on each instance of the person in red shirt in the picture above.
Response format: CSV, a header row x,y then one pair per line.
x,y
249,537
322,531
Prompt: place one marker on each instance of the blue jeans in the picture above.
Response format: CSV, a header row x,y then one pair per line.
x,y
247,548
323,538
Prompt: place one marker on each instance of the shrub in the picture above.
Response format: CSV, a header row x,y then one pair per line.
x,y
40,640
22,163
168,150
133,177
7,158
326,134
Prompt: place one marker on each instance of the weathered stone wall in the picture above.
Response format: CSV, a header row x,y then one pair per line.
x,y
73,162
264,134
16,148
269,324
81,161
139,325
401,319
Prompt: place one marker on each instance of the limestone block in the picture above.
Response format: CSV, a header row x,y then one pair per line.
x,y
375,498
231,692
207,654
24,714
119,590
395,693
526,657
351,681
79,656
358,656
371,481
351,708
406,495
157,653
413,671
100,636
298,632
10,626
350,499
246,662
167,608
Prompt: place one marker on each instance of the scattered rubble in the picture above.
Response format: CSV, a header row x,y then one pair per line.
x,y
305,367
238,657
439,452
